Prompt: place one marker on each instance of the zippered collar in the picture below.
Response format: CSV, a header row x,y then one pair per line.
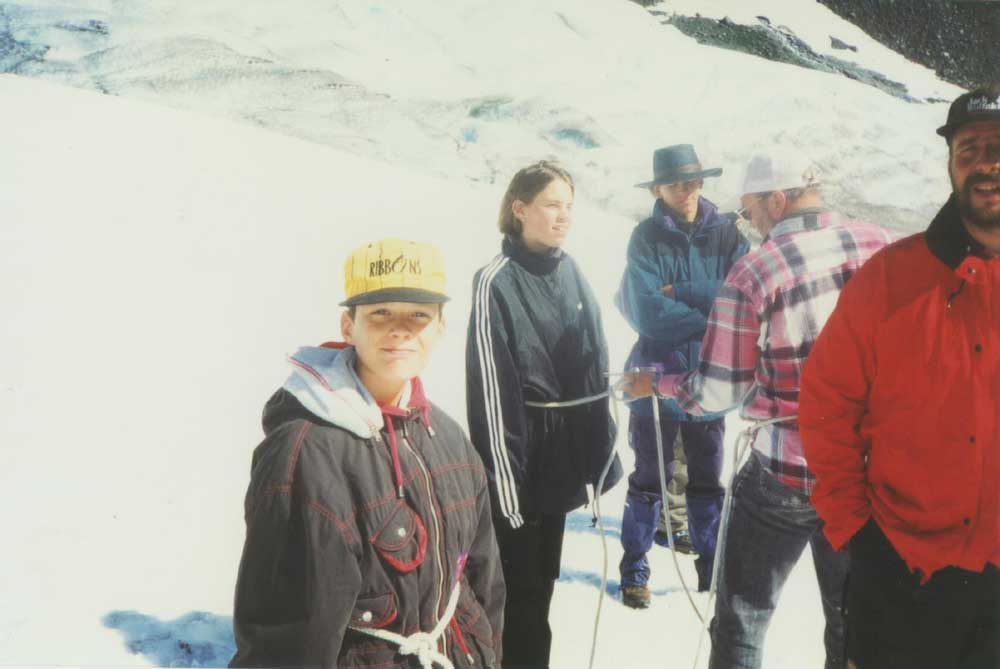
x,y
948,239
705,220
326,384
536,263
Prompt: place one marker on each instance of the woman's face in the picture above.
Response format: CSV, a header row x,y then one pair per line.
x,y
545,220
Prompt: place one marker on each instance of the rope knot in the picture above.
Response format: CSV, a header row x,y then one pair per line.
x,y
420,644
424,646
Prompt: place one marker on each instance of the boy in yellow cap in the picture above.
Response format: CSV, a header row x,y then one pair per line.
x,y
369,539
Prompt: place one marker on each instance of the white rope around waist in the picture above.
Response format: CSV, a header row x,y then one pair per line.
x,y
421,644
568,403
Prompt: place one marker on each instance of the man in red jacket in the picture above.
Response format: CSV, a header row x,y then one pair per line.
x,y
900,419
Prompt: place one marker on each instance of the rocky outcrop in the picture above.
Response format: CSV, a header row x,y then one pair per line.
x,y
956,38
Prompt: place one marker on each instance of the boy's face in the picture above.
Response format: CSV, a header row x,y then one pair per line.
x,y
393,340
682,197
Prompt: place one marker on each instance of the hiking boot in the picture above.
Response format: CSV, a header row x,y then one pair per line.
x,y
682,541
635,596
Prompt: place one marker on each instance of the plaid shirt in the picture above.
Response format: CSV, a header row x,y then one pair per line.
x,y
763,323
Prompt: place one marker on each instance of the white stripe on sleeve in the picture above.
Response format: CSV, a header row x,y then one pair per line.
x,y
506,489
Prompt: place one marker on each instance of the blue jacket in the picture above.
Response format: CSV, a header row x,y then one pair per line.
x,y
671,329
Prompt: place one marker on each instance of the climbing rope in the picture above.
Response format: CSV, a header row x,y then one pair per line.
x,y
742,446
421,644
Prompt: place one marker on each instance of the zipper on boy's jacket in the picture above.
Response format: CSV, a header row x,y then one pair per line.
x,y
437,522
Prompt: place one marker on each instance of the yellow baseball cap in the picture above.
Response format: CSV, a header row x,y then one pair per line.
x,y
394,270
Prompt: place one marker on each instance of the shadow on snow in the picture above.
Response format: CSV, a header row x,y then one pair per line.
x,y
201,639
570,575
583,523
196,639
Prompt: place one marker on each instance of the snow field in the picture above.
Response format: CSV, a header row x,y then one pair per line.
x,y
597,84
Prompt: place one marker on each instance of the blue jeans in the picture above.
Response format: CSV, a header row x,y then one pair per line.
x,y
702,444
770,526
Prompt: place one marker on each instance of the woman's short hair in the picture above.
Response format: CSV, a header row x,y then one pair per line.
x,y
526,184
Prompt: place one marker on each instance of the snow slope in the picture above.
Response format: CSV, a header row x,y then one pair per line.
x,y
157,264
474,89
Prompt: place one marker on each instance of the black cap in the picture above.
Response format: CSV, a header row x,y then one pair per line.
x,y
982,104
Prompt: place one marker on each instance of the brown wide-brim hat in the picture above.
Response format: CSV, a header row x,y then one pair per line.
x,y
677,163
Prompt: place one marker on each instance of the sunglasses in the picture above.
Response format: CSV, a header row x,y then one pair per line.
x,y
744,212
686,185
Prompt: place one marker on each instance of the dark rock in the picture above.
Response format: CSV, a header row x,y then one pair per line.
x,y
840,44
955,39
781,45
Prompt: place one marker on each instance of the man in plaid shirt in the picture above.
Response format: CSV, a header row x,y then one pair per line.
x,y
762,325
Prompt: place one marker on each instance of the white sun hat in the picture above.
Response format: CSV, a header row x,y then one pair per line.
x,y
779,169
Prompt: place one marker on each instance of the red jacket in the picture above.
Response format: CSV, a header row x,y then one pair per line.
x,y
900,401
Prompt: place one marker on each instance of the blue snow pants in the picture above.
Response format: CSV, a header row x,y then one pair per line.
x,y
702,444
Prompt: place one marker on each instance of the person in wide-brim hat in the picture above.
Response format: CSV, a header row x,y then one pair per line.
x,y
676,163
676,262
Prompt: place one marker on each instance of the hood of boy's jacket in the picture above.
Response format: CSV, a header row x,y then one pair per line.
x,y
324,381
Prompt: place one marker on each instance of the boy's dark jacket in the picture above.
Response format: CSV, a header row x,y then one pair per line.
x,y
331,544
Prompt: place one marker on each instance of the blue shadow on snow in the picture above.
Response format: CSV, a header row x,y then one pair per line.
x,y
196,639
583,522
570,575
576,136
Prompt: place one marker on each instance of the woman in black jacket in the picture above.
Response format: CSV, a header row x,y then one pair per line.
x,y
535,337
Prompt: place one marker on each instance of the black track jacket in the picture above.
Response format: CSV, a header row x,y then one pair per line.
x,y
535,333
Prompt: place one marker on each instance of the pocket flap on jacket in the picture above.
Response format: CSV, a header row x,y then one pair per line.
x,y
374,612
402,539
468,610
